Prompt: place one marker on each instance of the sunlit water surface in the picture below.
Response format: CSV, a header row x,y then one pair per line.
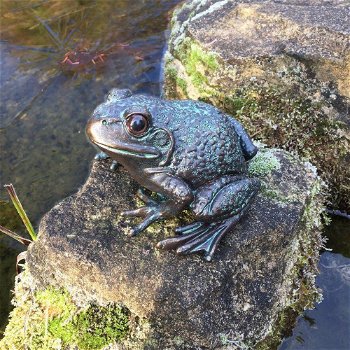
x,y
58,60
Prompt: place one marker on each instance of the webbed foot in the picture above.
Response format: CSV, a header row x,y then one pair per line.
x,y
150,213
218,206
199,237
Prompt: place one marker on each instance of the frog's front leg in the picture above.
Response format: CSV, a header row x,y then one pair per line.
x,y
177,195
147,198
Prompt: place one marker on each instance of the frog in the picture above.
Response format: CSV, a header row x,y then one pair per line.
x,y
185,155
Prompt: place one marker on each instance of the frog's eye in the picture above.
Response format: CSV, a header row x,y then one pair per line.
x,y
137,124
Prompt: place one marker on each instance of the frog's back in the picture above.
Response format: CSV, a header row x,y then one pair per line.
x,y
207,145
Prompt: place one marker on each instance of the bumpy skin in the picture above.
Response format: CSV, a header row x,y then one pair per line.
x,y
190,153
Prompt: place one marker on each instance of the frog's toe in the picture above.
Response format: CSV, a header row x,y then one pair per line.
x,y
178,241
149,214
148,220
203,241
101,156
114,165
199,237
189,234
139,212
183,230
142,194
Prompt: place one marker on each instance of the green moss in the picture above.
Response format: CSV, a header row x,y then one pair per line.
x,y
49,319
263,163
283,118
301,277
175,82
94,328
191,53
198,64
270,193
171,78
171,72
283,325
56,302
182,84
178,342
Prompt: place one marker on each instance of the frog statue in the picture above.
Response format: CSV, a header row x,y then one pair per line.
x,y
189,153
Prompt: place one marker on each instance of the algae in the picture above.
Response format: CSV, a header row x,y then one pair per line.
x,y
198,64
171,74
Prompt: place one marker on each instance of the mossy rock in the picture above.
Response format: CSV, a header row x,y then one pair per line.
x,y
49,319
263,270
281,69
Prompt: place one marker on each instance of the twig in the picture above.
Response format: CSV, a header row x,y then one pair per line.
x,y
15,236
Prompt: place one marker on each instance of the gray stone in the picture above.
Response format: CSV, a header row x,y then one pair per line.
x,y
262,268
281,67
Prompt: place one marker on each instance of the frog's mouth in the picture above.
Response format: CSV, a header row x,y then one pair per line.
x,y
133,150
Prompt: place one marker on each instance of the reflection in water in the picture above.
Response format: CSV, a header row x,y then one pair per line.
x,y
45,106
327,326
57,36
58,60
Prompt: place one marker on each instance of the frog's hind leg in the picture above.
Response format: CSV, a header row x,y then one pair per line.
x,y
218,206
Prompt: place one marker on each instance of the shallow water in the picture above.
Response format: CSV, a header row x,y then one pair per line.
x,y
46,100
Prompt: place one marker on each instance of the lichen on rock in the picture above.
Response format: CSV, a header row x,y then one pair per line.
x,y
263,163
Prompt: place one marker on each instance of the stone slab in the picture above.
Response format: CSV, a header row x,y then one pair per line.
x,y
259,270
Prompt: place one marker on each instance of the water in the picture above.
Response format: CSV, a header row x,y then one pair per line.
x,y
46,100
327,327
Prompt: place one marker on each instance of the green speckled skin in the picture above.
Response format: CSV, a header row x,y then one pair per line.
x,y
190,153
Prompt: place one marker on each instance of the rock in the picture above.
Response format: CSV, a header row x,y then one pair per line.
x,y
281,67
263,268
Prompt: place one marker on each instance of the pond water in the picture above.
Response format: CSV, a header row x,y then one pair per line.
x,y
327,327
58,60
